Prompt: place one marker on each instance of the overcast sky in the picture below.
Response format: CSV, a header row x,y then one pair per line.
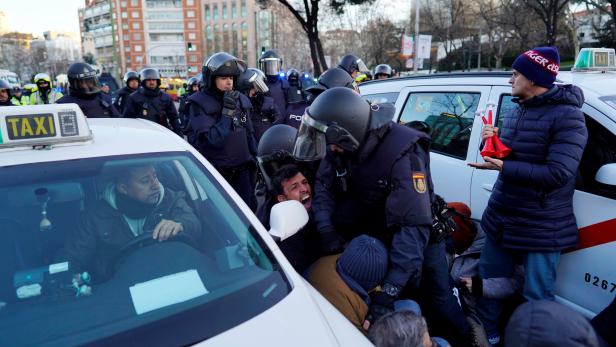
x,y
36,16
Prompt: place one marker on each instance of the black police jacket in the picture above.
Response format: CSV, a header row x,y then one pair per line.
x,y
121,98
384,190
278,91
294,114
93,106
153,105
264,114
227,142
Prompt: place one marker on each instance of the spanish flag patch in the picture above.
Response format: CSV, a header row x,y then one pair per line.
x,y
419,181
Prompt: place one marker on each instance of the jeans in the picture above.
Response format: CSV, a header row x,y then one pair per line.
x,y
497,261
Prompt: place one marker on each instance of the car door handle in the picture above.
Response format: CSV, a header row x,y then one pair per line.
x,y
487,186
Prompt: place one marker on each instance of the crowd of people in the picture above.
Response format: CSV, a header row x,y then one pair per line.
x,y
393,257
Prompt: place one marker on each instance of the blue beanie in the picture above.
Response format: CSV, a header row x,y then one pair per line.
x,y
540,65
365,261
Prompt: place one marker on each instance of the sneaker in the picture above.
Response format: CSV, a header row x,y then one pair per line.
x,y
477,332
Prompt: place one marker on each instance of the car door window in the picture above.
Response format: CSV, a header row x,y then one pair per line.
x,y
600,150
382,98
505,105
449,115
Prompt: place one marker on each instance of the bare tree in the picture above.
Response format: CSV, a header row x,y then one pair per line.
x,y
550,12
607,32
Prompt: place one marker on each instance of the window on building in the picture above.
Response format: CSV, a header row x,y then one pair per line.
x,y
190,2
216,38
207,13
192,36
167,15
134,3
450,116
124,15
233,9
190,14
226,42
136,26
166,26
224,11
215,11
139,58
125,26
138,48
209,39
134,14
127,49
123,4
166,37
191,25
244,33
137,36
193,58
243,8
235,34
125,37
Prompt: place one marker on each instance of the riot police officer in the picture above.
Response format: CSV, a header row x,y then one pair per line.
x,y
5,94
131,81
375,179
382,72
295,93
271,64
192,86
85,91
353,65
220,126
150,103
264,112
334,77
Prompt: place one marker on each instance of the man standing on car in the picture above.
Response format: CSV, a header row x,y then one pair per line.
x,y
530,212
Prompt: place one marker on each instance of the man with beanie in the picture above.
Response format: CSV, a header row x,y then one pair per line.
x,y
346,279
530,214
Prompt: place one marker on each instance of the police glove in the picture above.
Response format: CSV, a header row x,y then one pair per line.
x,y
331,242
229,102
381,304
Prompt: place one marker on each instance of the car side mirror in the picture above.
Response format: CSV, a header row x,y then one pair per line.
x,y
607,174
286,219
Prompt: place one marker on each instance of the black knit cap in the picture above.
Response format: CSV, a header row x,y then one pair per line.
x,y
365,261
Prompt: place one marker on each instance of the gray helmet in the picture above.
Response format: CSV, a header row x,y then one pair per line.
x,y
83,79
252,78
221,64
352,63
337,116
275,150
270,63
382,69
131,75
5,85
150,74
334,77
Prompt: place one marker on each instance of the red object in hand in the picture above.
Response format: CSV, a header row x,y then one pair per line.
x,y
493,146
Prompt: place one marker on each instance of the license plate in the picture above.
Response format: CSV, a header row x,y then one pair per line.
x,y
30,126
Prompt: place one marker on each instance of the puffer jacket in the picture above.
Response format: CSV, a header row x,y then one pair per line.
x,y
531,204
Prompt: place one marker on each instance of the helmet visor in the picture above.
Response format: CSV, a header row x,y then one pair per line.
x,y
89,85
310,143
271,66
258,83
361,66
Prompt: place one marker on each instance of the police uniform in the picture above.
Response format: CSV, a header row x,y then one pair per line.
x,y
121,98
294,113
94,106
264,114
153,105
278,91
228,143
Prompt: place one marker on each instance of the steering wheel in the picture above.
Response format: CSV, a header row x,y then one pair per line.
x,y
145,240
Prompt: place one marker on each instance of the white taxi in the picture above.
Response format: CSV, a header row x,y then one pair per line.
x,y
227,285
448,103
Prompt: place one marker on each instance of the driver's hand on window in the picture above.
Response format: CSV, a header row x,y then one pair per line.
x,y
166,229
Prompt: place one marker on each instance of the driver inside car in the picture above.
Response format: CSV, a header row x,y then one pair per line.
x,y
134,204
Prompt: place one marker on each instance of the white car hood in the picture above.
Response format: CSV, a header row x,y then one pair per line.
x,y
303,318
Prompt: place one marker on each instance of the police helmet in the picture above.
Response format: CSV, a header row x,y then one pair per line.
x,y
193,81
352,63
6,86
338,116
382,69
270,63
17,89
252,78
131,75
150,74
275,150
42,77
293,77
334,77
82,79
221,64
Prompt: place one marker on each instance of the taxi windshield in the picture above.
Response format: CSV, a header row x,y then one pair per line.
x,y
610,100
109,249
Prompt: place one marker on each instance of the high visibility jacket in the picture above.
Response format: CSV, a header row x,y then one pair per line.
x,y
23,101
52,97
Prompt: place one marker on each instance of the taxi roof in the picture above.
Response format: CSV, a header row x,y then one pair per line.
x,y
111,136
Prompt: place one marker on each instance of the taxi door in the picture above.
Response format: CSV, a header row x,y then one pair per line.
x,y
449,111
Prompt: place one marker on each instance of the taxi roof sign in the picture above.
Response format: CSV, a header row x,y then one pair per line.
x,y
42,125
595,59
